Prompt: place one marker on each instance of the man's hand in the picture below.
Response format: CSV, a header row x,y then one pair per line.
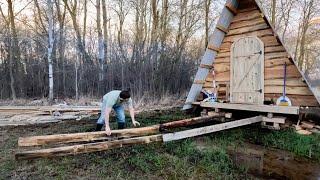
x,y
135,123
108,131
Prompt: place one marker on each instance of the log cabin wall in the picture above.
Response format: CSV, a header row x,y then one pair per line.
x,y
249,21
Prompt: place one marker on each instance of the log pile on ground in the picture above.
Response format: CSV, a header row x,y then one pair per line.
x,y
71,144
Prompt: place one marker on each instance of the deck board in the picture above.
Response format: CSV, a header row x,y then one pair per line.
x,y
257,108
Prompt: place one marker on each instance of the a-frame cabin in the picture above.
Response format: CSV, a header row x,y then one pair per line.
x,y
248,59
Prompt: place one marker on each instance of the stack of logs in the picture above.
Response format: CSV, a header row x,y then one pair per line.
x,y
78,143
71,144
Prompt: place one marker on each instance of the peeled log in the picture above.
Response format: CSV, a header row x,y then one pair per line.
x,y
85,137
86,148
101,135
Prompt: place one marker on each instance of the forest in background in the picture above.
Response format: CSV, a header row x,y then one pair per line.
x,y
69,48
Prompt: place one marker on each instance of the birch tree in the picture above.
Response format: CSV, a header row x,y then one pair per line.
x,y
50,47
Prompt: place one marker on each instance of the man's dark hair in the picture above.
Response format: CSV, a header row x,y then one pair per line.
x,y
125,94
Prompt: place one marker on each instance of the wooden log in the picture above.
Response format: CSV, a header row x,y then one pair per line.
x,y
246,16
213,48
85,137
270,42
292,82
223,64
209,129
278,90
248,29
222,60
187,122
277,62
270,49
231,8
274,49
276,55
247,23
86,148
277,72
223,67
270,73
221,28
247,9
259,33
101,135
223,54
289,90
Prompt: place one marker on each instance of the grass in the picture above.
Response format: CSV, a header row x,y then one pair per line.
x,y
289,140
175,160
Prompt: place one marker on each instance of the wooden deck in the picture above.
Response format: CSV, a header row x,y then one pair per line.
x,y
256,108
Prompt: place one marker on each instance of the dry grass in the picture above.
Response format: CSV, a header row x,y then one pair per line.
x,y
146,102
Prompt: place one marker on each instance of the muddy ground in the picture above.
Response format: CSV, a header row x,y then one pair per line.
x,y
243,153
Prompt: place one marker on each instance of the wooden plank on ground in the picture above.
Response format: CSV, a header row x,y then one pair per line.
x,y
86,148
209,129
256,108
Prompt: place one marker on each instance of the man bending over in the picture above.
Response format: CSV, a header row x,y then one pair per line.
x,y
115,100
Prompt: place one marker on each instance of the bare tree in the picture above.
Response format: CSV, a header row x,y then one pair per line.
x,y
50,47
61,43
286,8
72,9
308,12
274,6
101,49
14,53
207,4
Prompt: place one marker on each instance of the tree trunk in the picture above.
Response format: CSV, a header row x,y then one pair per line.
x,y
61,48
84,22
101,49
14,49
50,47
207,11
273,20
80,48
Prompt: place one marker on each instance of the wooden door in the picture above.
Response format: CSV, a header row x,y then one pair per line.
x,y
247,71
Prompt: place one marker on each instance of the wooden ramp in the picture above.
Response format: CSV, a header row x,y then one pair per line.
x,y
145,135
